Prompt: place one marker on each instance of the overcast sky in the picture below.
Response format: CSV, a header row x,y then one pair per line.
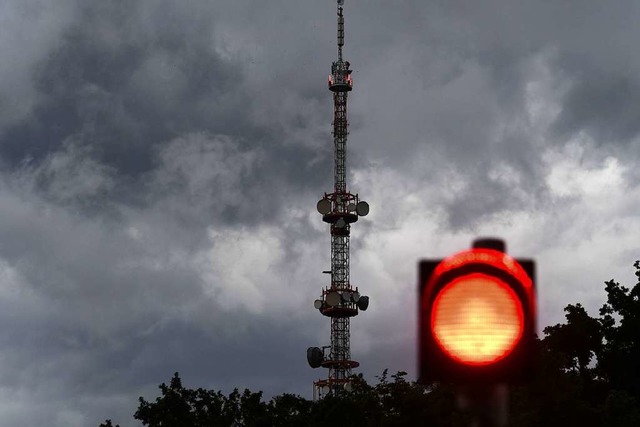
x,y
160,162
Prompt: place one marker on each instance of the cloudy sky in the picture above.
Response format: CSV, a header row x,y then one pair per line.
x,y
160,162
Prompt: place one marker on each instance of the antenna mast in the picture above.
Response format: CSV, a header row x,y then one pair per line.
x,y
340,300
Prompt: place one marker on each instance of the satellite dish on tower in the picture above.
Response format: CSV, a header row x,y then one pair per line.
x,y
324,206
346,296
351,207
362,208
355,296
363,303
340,2
317,304
333,299
314,357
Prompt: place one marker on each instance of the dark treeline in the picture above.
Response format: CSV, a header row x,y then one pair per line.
x,y
588,374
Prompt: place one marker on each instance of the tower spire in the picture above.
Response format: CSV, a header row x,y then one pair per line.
x,y
340,30
340,300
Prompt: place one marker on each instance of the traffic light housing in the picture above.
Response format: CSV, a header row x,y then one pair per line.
x,y
477,316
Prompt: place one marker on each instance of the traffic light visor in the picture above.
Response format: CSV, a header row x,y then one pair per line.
x,y
477,319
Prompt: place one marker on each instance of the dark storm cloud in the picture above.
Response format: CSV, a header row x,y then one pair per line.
x,y
142,137
106,310
126,80
604,105
456,90
449,95
588,53
123,90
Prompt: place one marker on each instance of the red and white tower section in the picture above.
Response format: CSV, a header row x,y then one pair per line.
x,y
340,300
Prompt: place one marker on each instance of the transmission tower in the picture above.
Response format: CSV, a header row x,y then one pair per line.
x,y
339,301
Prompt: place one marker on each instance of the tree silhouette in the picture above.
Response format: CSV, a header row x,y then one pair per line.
x,y
589,368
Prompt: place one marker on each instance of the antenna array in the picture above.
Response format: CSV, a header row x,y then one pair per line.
x,y
340,300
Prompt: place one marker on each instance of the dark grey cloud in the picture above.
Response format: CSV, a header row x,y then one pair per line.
x,y
126,80
456,87
124,90
604,105
106,309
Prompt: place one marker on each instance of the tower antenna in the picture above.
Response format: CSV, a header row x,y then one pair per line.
x,y
340,300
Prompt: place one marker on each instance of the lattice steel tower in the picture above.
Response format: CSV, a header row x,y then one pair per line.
x,y
340,300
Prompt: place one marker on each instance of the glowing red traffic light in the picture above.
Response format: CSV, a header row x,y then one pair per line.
x,y
477,316
477,319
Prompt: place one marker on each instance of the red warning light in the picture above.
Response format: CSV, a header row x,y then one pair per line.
x,y
477,319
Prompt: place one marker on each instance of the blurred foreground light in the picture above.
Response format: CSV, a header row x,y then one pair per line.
x,y
477,319
477,316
